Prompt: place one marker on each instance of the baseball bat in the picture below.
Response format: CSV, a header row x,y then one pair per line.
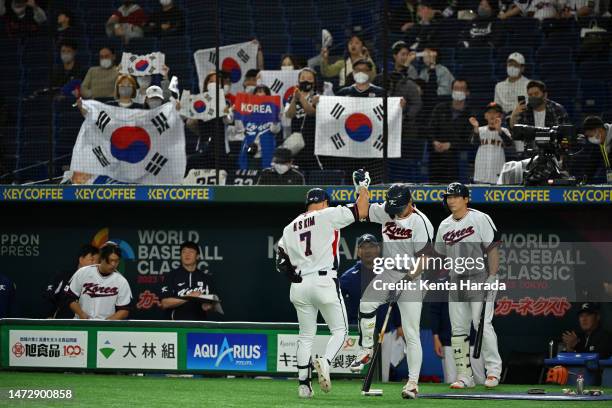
x,y
479,333
367,382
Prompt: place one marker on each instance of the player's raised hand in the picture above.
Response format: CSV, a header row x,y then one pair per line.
x,y
361,178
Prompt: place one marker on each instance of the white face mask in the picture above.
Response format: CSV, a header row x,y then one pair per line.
x,y
281,168
287,68
513,72
594,140
106,63
458,96
361,77
249,89
165,2
125,91
211,87
226,89
144,82
154,103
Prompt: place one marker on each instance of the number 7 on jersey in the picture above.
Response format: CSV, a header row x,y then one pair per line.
x,y
306,236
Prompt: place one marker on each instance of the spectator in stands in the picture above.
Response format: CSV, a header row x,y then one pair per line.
x,y
100,80
127,22
363,71
54,298
508,8
22,17
592,338
542,9
492,138
436,83
403,16
154,97
282,172
8,304
301,110
450,133
581,8
66,28
290,62
185,282
356,50
593,163
426,32
539,110
125,91
169,20
250,81
259,140
401,83
144,82
435,73
483,30
515,85
69,74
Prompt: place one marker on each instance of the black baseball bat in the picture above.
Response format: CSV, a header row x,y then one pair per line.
x,y
367,382
479,333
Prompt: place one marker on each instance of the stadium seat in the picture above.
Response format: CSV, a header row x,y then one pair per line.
x,y
326,177
557,70
478,55
594,96
474,71
550,54
142,46
595,71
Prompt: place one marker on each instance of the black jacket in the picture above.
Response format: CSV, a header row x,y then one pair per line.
x,y
55,300
180,282
269,177
597,342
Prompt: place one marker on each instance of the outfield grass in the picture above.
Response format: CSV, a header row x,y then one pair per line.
x,y
94,390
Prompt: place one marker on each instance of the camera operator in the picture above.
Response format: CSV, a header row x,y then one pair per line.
x,y
537,111
593,162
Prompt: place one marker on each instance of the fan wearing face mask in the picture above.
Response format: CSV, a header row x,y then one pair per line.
x,y
99,83
68,75
484,30
168,20
144,82
125,92
356,51
515,85
593,163
282,172
363,73
22,17
539,110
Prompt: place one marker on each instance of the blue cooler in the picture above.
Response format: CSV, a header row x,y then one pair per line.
x,y
585,364
606,378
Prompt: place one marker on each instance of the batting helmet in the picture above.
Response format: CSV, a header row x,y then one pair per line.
x,y
455,189
398,198
316,195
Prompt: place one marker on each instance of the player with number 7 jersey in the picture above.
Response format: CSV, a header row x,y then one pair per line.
x,y
308,254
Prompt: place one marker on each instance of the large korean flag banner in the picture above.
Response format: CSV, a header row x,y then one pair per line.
x,y
235,60
131,145
352,127
281,83
142,65
201,106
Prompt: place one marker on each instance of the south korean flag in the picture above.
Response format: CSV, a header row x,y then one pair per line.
x,y
281,83
353,127
235,60
142,65
202,106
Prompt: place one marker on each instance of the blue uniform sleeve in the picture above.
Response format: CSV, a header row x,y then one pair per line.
x,y
435,316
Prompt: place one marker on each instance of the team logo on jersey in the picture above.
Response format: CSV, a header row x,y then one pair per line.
x,y
395,232
95,290
454,236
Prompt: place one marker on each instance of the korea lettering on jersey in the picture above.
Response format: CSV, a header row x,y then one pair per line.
x,y
99,296
311,239
470,237
411,236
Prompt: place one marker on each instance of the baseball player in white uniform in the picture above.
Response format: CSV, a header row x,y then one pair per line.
x,y
99,291
470,233
308,255
492,138
405,231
